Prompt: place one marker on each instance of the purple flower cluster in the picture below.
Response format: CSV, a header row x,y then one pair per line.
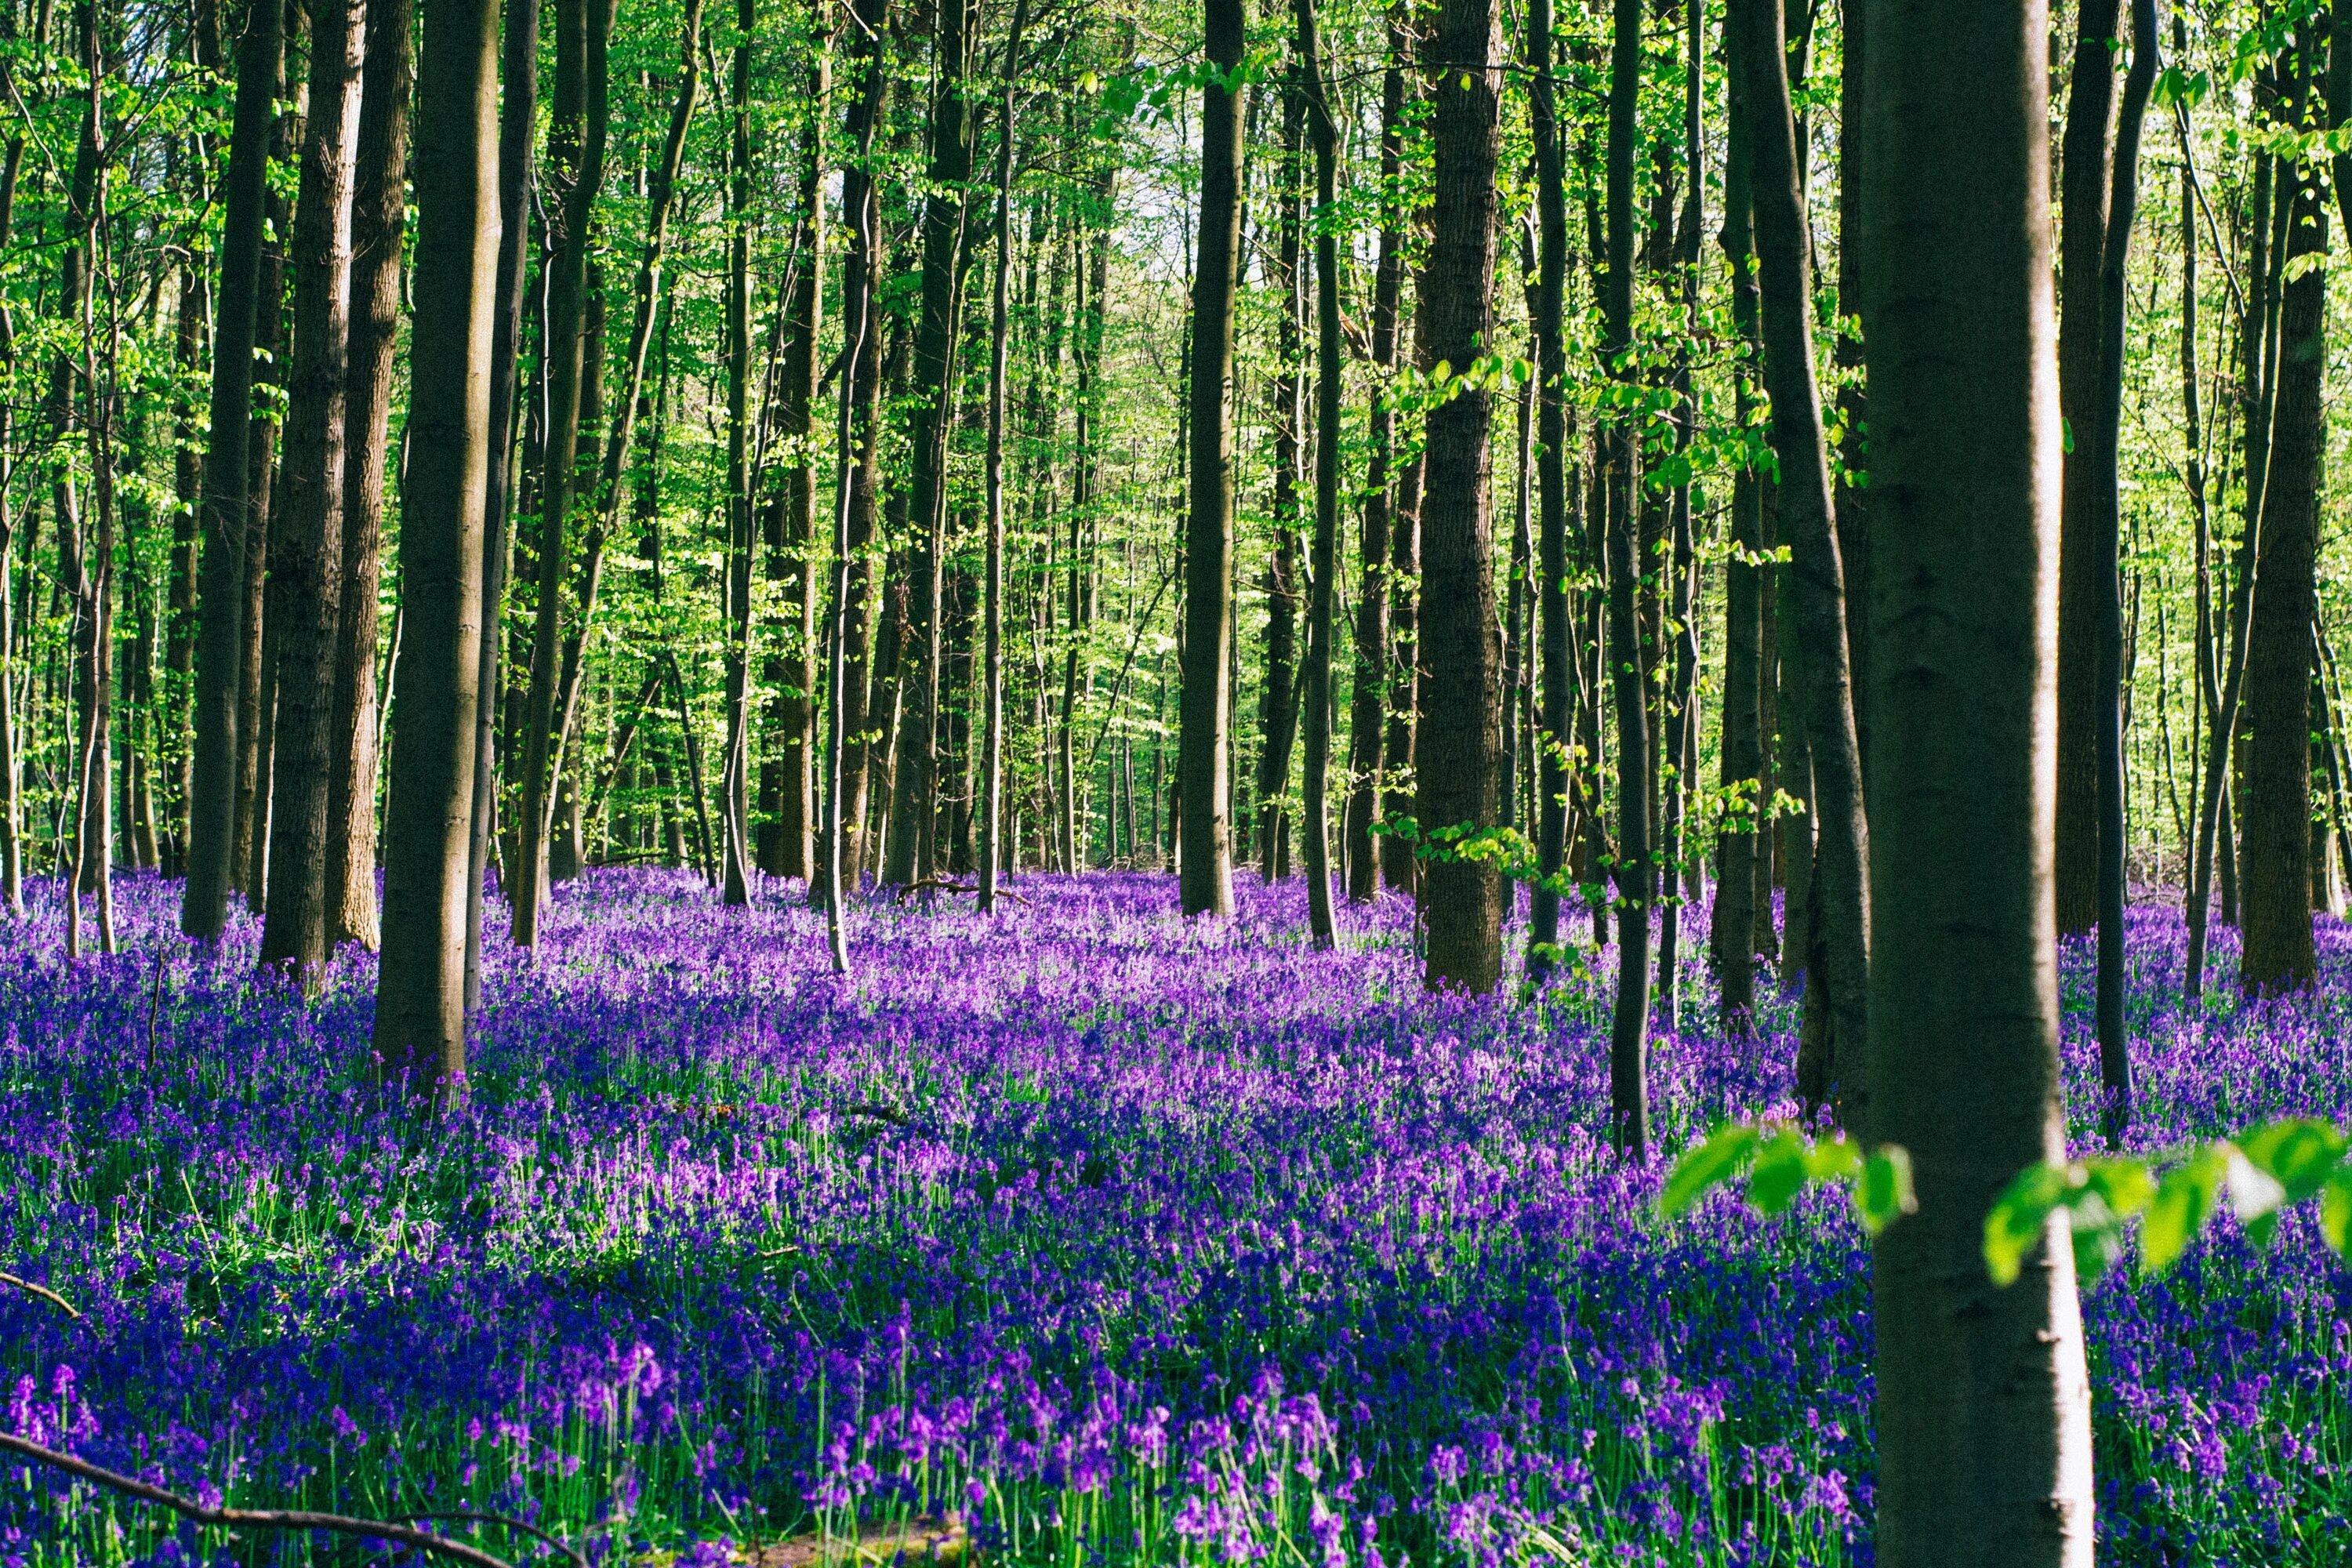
x,y
1103,1234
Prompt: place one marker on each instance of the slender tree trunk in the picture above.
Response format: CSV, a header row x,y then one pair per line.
x,y
1323,560
518,124
1738,845
1368,704
1205,849
1680,720
2277,951
256,673
915,858
2102,518
220,635
1400,868
1278,698
736,774
2086,169
791,712
12,849
306,567
420,1016
379,216
991,819
1982,1408
1816,574
575,157
177,720
1629,1095
1545,303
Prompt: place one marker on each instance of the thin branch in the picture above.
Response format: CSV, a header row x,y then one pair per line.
x,y
44,1292
252,1517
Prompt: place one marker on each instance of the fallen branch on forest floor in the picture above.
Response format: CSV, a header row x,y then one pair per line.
x,y
265,1518
44,1292
909,1541
943,885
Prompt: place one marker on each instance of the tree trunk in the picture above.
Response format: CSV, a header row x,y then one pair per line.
x,y
1278,696
517,123
1816,572
1737,846
575,159
1323,559
306,567
737,774
379,216
1983,1401
1629,1094
991,820
1205,850
1400,868
915,833
2102,519
2275,878
2085,169
1369,703
1680,720
420,1016
220,634
792,710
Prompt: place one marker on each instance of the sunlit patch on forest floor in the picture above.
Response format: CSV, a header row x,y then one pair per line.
x,y
1075,1235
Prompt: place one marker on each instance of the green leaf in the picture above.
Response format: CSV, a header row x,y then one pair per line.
x,y
1781,1174
1702,1170
2014,1225
2183,1202
1885,1192
2299,1153
2335,1208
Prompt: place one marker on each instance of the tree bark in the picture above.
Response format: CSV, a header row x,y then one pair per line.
x,y
306,566
736,776
518,124
1368,704
1983,1407
915,832
2086,169
1278,696
991,820
1205,850
1629,1094
1460,725
220,634
2277,953
791,711
2103,518
420,1016
379,218
575,157
1737,846
1816,572
1324,555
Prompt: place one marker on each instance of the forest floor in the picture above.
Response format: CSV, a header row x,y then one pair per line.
x,y
1077,1236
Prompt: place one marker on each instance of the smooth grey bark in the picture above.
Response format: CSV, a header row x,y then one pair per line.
x,y
1982,1408
420,1014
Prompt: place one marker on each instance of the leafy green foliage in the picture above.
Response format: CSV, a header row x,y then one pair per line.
x,y
1778,1161
2258,1175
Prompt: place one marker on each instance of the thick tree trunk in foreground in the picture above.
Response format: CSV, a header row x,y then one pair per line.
x,y
420,1014
2086,168
220,627
2275,877
1205,847
1982,1410
1460,739
306,568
